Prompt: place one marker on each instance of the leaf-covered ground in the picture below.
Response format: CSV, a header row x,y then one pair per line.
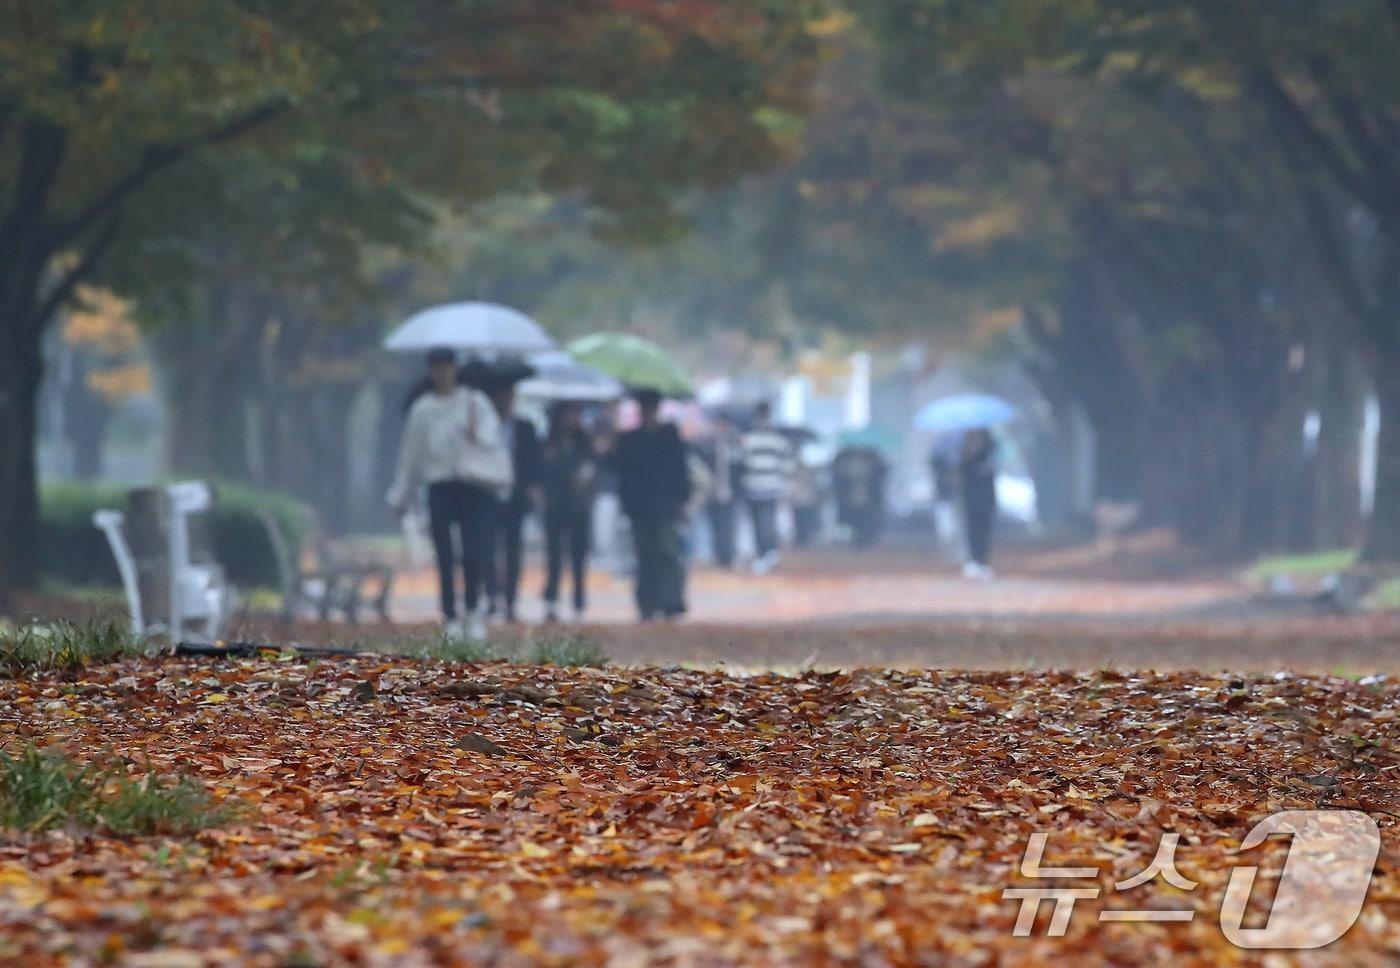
x,y
399,812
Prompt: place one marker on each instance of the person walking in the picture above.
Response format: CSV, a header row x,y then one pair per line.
x,y
520,439
943,469
451,444
569,478
723,457
654,489
767,475
859,474
977,473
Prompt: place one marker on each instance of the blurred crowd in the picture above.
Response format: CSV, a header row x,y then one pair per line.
x,y
645,487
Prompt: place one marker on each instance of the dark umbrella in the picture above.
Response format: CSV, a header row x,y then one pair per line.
x,y
489,375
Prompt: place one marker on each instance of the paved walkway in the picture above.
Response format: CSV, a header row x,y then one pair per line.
x,y
811,591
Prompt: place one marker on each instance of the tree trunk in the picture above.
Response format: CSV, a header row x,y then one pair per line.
x,y
1118,434
89,442
1338,462
332,479
1383,533
87,416
188,404
21,371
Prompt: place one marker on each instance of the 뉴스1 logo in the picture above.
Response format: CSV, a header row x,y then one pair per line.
x,y
1331,856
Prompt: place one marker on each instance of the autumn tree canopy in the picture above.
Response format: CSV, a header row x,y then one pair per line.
x,y
107,111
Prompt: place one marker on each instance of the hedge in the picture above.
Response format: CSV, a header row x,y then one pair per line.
x,y
75,552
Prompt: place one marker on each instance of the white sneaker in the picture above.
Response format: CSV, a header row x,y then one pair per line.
x,y
978,572
476,627
454,630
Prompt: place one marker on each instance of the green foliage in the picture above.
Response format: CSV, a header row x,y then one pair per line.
x,y
568,651
1387,596
152,805
64,647
193,148
40,791
448,649
76,552
564,650
1315,565
240,538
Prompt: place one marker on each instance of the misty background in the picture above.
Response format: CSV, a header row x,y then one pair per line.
x,y
1167,231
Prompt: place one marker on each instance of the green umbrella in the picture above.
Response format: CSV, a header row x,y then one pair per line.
x,y
638,363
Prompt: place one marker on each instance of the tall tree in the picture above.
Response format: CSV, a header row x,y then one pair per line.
x,y
1304,94
101,104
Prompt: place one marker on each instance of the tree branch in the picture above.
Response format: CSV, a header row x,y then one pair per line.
x,y
64,289
1333,255
7,116
1365,140
156,159
1295,121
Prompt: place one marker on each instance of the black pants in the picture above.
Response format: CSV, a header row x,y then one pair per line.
x,y
807,521
467,509
660,569
865,525
572,530
503,578
765,525
721,514
979,511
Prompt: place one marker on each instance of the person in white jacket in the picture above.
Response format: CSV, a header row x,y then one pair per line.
x,y
452,444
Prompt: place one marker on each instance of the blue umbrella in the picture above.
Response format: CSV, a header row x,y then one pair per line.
x,y
964,412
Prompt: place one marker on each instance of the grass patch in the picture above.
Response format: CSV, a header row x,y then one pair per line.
x,y
1315,565
40,791
569,651
1387,596
152,805
566,651
1321,564
64,646
447,649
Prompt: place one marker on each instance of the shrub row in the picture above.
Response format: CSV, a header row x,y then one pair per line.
x,y
75,552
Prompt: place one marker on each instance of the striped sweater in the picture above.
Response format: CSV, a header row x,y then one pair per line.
x,y
768,465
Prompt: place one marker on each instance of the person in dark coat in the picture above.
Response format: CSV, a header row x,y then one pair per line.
x,y
523,442
569,479
654,488
977,476
858,477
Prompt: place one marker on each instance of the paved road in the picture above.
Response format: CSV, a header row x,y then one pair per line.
x,y
804,594
1064,609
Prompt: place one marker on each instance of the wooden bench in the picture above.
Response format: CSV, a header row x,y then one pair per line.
x,y
328,585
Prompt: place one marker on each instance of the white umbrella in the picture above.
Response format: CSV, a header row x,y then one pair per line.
x,y
558,376
476,327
